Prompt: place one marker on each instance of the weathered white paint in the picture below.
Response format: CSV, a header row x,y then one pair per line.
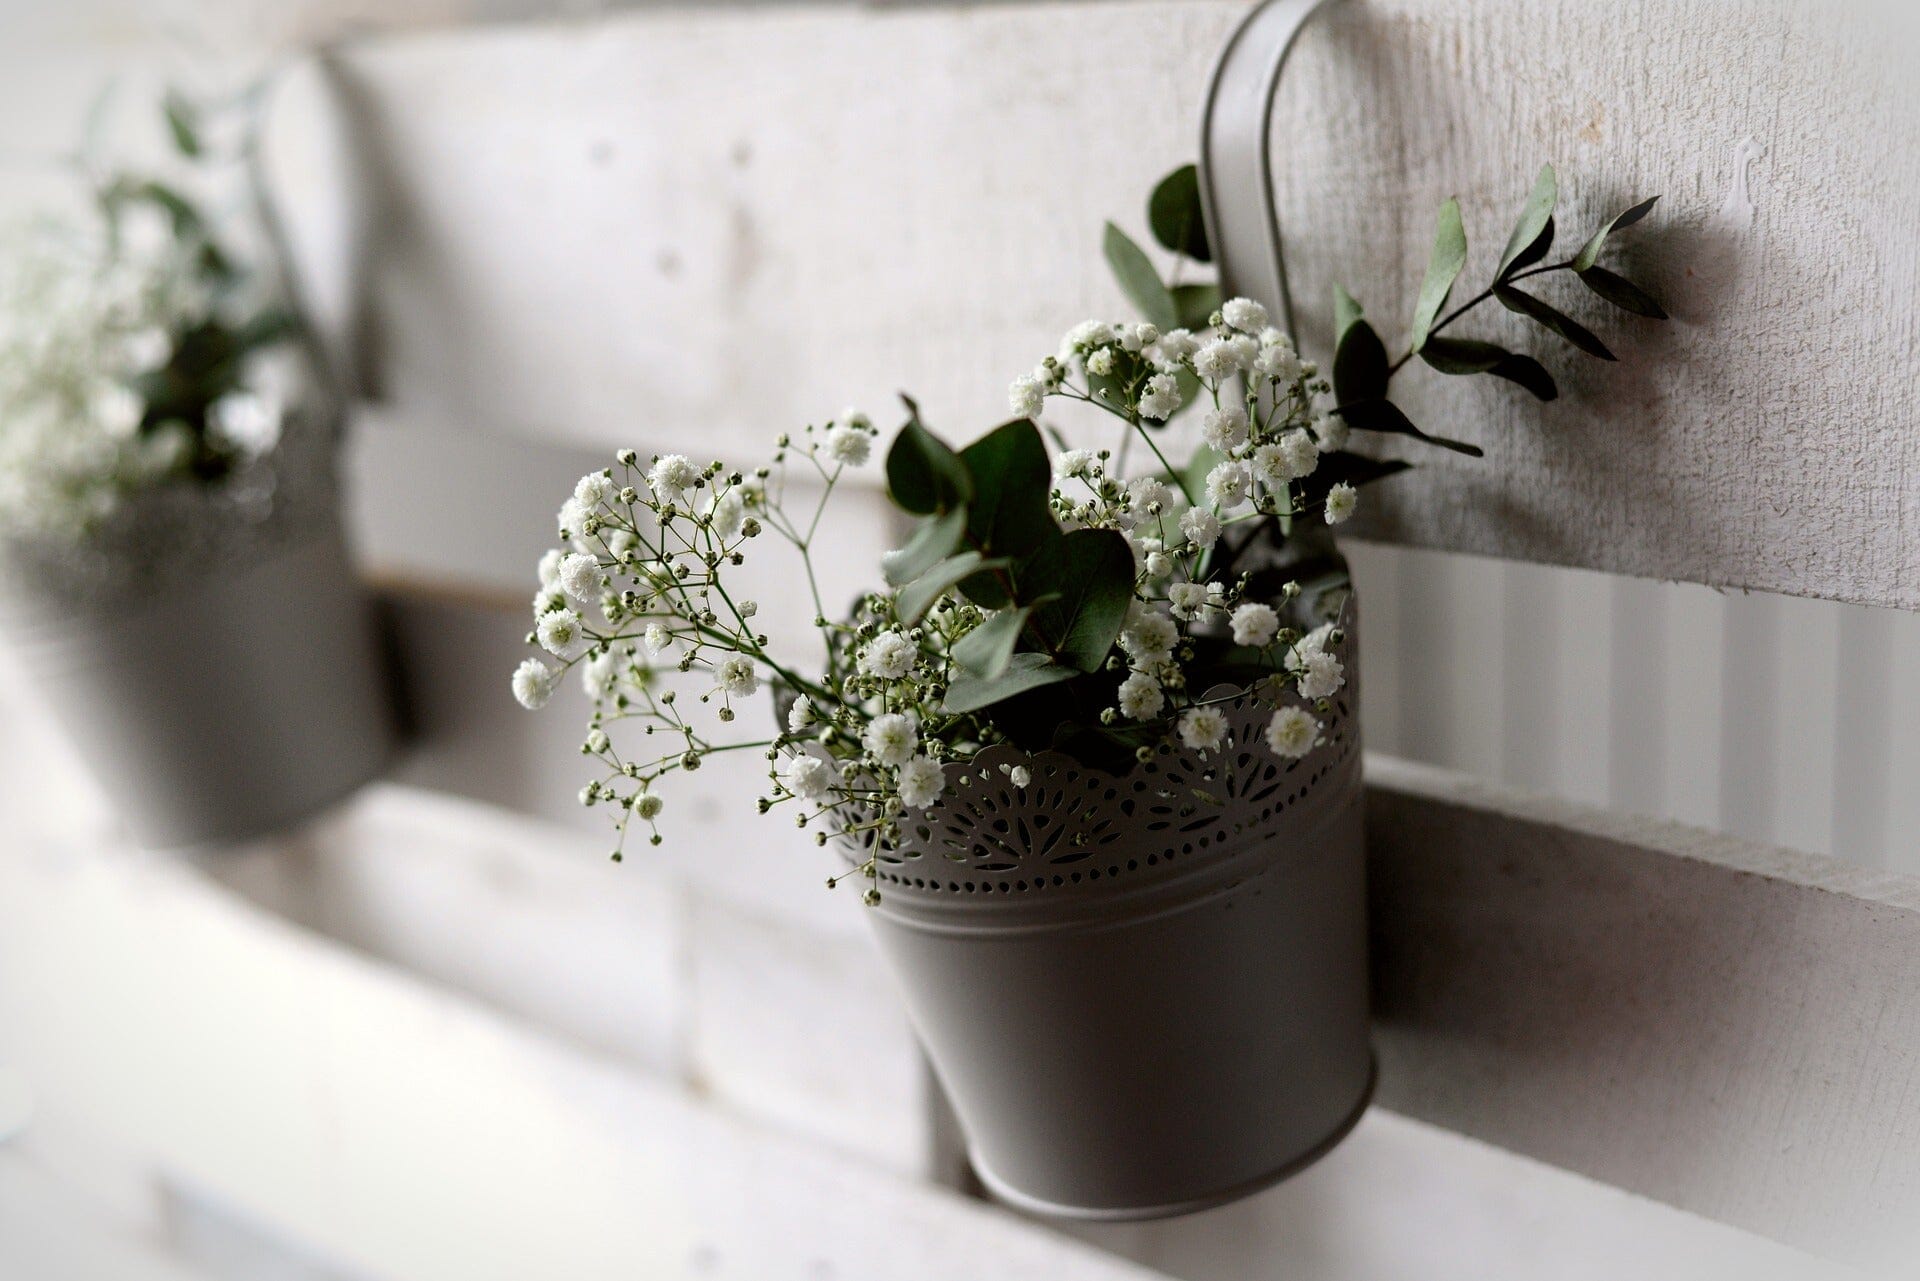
x,y
667,229
1724,1027
410,1134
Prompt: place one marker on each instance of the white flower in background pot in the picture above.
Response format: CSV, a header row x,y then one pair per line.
x,y
172,567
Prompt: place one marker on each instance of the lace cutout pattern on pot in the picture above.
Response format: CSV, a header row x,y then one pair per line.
x,y
1072,825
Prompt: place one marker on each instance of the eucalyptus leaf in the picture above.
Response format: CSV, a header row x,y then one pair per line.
x,y
1462,355
1174,213
1385,416
918,596
183,124
1443,268
1360,369
1138,279
1590,252
937,538
1023,672
1090,571
1533,253
1010,473
1194,305
1534,220
1622,293
987,649
1346,313
924,476
1557,321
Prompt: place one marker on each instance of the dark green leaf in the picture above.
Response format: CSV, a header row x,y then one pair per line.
x,y
1138,280
1091,571
970,693
1462,355
1385,416
1360,368
918,596
1194,305
1443,268
1174,213
182,123
1528,373
1534,252
937,538
986,650
1534,220
1559,322
1346,313
1590,252
923,474
1009,471
1622,293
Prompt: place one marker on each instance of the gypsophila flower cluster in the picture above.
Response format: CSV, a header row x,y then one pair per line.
x,y
641,591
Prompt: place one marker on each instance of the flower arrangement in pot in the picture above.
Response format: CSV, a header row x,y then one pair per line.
x,y
1092,751
173,576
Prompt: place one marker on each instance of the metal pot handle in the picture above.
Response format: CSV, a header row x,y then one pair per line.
x,y
1236,163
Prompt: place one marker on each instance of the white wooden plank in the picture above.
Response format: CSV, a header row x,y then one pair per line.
x,y
1586,688
1724,1027
1691,704
1864,713
708,225
410,1134
1636,680
1749,804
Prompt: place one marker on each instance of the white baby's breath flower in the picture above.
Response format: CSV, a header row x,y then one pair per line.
x,y
550,562
801,715
1228,486
1027,396
1020,776
1342,498
921,782
1331,431
670,477
1225,428
889,656
1100,362
807,777
572,519
546,600
648,806
1203,729
580,577
249,420
1292,732
1161,397
1300,453
1277,361
658,637
1156,566
1246,349
891,739
533,684
849,446
1255,624
1216,362
1086,334
728,514
1319,675
1140,697
1074,464
594,488
1150,638
1145,494
1201,527
1174,346
1314,641
1244,314
599,674
1190,601
560,634
736,676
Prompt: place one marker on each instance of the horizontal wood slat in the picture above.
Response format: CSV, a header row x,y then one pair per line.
x,y
697,228
1724,1027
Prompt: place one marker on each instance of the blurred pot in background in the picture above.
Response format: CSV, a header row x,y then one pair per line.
x,y
173,574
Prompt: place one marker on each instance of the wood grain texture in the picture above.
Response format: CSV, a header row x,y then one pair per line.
x,y
699,228
1717,1025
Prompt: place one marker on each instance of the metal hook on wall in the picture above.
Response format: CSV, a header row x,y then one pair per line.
x,y
1236,161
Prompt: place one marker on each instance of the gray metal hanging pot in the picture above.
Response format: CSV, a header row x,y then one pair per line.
x,y
245,696
1147,995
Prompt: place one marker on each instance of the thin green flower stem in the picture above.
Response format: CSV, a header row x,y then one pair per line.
x,y
1133,421
1475,301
